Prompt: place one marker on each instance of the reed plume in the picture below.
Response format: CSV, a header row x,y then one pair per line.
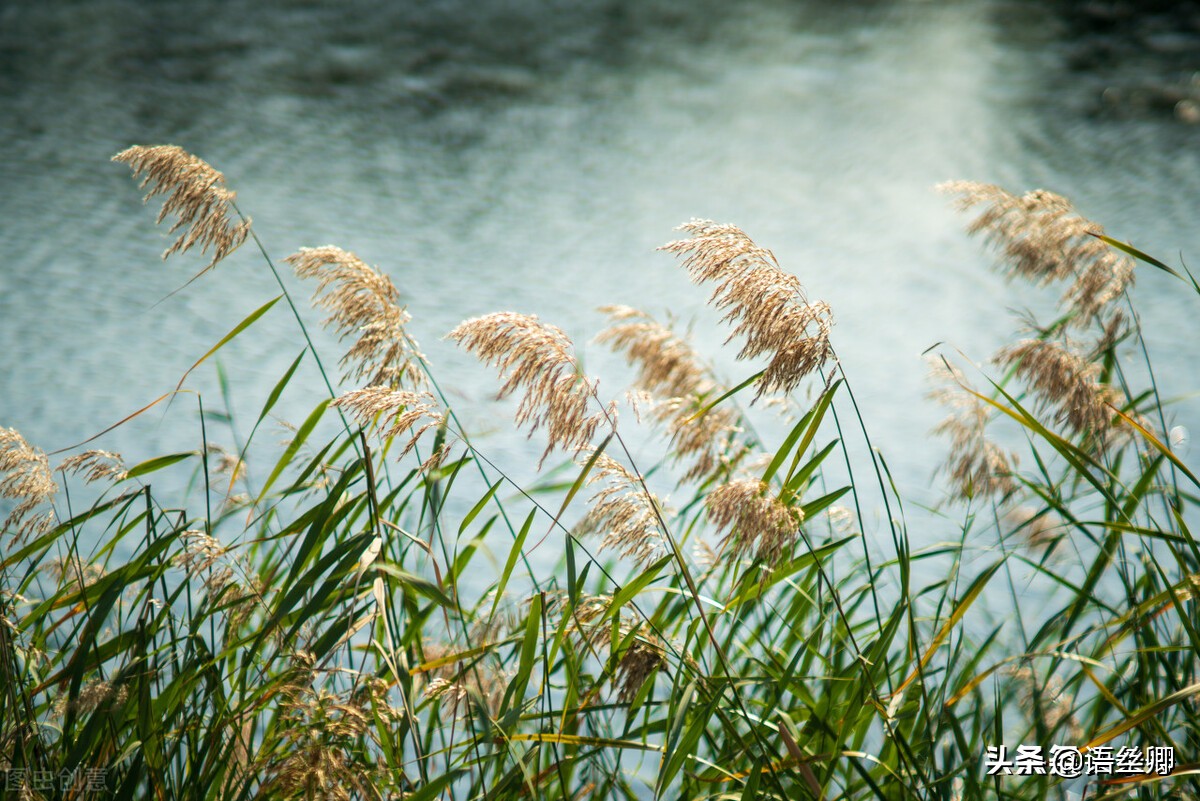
x,y
1066,383
625,512
976,466
399,411
539,360
767,306
644,655
364,302
28,481
1043,240
756,523
196,196
73,574
679,386
457,683
95,465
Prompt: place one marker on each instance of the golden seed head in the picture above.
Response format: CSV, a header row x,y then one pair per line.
x,y
1042,239
644,657
95,465
363,302
196,195
678,388
755,522
25,477
398,411
539,360
1065,382
767,306
976,466
624,511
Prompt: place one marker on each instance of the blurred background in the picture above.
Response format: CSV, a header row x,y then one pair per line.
x,y
530,156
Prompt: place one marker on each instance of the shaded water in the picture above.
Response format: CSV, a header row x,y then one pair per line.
x,y
532,156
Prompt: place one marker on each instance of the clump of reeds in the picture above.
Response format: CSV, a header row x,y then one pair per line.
x,y
196,196
363,302
767,305
28,481
539,360
1041,239
792,667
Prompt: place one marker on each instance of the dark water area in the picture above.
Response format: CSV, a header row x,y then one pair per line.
x,y
530,156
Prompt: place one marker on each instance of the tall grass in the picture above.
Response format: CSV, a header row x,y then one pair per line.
x,y
323,626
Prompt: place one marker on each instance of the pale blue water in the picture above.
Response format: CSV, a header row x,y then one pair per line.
x,y
531,157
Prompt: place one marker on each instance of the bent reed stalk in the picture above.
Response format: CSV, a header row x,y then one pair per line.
x,y
337,618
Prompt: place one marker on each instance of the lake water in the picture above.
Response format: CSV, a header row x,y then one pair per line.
x,y
530,157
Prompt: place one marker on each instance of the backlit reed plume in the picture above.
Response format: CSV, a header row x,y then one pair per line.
x,y
73,574
456,684
671,372
319,755
25,478
756,523
93,695
1066,383
640,661
539,360
1050,700
623,512
365,303
95,466
1042,239
218,569
644,653
767,306
399,411
976,466
196,196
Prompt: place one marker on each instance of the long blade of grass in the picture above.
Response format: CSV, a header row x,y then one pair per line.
x,y
237,329
957,615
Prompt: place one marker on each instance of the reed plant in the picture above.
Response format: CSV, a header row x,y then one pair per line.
x,y
322,624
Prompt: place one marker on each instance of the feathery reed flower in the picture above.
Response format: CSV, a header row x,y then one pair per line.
x,y
319,758
670,371
976,466
538,359
364,302
644,657
1043,240
755,521
73,574
1065,382
401,410
27,480
1049,699
625,512
92,695
767,306
197,196
95,465
457,683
